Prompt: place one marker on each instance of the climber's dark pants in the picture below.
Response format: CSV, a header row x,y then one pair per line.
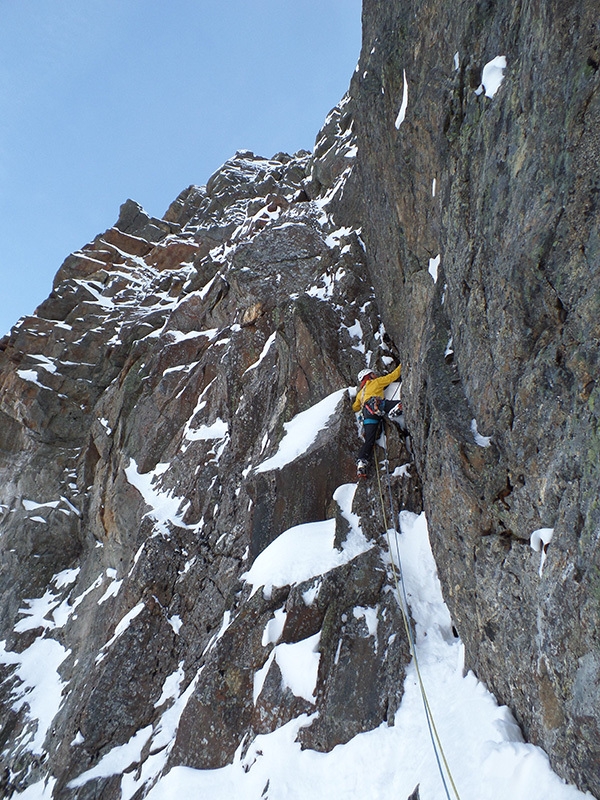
x,y
372,429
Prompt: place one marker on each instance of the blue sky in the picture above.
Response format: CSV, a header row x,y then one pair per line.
x,y
102,100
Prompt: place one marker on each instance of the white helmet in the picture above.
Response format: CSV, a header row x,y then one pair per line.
x,y
364,373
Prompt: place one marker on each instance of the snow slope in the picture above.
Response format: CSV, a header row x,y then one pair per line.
x,y
482,743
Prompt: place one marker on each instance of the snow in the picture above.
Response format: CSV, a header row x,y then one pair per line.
x,y
334,238
35,615
66,577
42,790
264,352
95,585
45,363
175,622
181,368
215,638
178,336
113,587
539,541
326,289
344,497
482,441
72,508
260,677
216,430
116,760
40,688
301,432
404,105
31,505
434,263
304,552
120,629
299,665
492,76
31,376
310,595
482,742
274,627
99,298
164,506
206,288
49,611
369,615
161,744
356,332
171,686
339,184
403,471
126,621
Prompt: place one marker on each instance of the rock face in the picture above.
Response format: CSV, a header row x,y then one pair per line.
x,y
144,470
146,407
504,188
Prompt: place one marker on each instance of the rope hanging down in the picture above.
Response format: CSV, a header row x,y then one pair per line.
x,y
403,601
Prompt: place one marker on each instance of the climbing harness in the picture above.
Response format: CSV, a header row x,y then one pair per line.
x,y
403,602
375,406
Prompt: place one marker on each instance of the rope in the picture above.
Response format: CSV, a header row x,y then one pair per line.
x,y
436,742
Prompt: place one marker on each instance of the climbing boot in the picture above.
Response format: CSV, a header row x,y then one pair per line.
x,y
361,469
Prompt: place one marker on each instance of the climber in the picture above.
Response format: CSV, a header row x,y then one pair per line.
x,y
371,403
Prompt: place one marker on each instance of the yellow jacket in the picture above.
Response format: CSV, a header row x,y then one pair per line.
x,y
374,388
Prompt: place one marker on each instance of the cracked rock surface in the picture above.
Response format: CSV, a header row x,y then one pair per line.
x,y
501,349
144,410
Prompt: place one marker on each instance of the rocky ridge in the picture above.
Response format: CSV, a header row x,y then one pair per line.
x,y
144,410
140,480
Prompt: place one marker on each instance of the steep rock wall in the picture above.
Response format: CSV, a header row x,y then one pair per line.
x,y
504,343
142,402
143,470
